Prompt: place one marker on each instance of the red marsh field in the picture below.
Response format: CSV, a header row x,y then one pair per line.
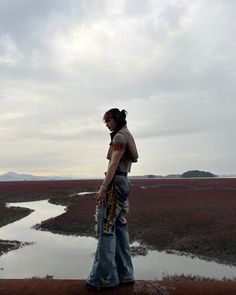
x,y
196,216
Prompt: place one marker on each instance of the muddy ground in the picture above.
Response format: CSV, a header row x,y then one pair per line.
x,y
194,216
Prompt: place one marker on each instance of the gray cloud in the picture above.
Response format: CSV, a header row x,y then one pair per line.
x,y
170,64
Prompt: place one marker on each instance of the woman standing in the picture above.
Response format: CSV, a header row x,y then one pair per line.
x,y
112,264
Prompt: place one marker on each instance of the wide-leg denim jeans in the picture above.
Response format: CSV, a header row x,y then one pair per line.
x,y
112,264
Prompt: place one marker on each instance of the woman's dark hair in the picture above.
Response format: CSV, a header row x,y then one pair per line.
x,y
118,116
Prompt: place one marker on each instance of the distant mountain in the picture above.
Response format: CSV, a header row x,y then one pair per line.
x,y
197,173
12,176
152,176
155,176
173,176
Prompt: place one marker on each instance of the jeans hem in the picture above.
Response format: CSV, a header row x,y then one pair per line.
x,y
126,281
100,286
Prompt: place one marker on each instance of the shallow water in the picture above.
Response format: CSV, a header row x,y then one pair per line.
x,y
66,257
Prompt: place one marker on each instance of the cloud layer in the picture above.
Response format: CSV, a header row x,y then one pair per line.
x,y
171,64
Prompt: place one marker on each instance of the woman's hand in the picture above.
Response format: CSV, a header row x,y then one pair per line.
x,y
101,197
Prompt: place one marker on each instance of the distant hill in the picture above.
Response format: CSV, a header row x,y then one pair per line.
x,y
197,173
173,176
156,176
12,176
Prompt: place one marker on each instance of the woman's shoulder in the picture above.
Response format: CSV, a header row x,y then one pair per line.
x,y
119,137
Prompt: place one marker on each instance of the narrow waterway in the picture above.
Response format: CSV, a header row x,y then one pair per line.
x,y
71,257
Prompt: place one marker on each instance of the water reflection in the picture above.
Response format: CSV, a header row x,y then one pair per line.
x,y
71,257
82,194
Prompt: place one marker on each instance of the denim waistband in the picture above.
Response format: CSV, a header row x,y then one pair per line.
x,y
121,173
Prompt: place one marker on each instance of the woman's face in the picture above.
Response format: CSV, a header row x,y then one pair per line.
x,y
111,124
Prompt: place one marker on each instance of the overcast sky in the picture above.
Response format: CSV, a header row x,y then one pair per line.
x,y
170,63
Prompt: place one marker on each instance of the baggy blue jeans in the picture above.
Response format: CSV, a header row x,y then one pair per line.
x,y
112,263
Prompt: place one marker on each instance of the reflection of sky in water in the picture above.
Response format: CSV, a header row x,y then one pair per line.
x,y
71,257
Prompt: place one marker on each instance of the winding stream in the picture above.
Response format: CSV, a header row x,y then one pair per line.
x,y
71,257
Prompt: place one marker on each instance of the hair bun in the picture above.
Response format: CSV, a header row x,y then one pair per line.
x,y
123,113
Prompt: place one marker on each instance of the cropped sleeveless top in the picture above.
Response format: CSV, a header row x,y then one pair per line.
x,y
123,139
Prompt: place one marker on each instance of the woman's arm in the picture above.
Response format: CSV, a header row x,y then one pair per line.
x,y
113,164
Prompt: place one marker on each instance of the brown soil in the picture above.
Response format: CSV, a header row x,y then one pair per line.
x,y
76,287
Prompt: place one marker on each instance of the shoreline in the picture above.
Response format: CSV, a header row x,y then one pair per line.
x,y
9,245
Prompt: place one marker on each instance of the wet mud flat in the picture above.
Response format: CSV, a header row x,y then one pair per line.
x,y
6,245
194,216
